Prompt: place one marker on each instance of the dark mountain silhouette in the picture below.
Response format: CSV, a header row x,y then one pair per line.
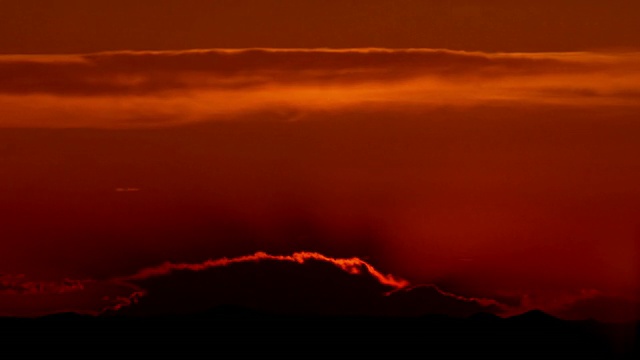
x,y
534,314
66,316
237,332
537,317
485,317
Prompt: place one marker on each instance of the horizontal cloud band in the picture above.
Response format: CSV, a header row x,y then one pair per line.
x,y
125,89
152,72
122,293
165,284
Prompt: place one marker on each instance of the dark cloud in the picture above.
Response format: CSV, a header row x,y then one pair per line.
x,y
119,73
603,307
303,283
25,297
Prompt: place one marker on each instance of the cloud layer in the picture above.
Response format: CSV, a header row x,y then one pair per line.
x,y
133,89
139,73
301,283
504,173
19,285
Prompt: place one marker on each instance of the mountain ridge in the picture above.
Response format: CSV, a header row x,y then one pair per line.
x,y
234,330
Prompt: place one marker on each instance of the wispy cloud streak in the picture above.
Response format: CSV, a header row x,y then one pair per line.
x,y
20,285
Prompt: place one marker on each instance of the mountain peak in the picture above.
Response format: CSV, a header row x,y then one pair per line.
x,y
535,315
484,316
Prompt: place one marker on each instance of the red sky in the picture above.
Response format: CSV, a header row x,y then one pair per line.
x,y
485,151
41,26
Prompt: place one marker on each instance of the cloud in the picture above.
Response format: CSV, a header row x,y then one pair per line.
x,y
301,283
152,72
26,297
577,304
19,284
134,89
351,266
603,307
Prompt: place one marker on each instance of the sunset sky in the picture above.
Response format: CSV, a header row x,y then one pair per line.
x,y
375,157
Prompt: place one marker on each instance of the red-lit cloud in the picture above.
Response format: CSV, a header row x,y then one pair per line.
x,y
24,297
305,282
139,73
353,266
19,285
301,283
142,89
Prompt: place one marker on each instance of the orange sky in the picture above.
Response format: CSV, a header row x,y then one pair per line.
x,y
496,158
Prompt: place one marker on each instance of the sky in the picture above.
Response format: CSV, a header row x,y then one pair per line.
x,y
72,26
369,157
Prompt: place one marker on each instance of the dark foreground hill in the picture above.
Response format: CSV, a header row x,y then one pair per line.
x,y
230,332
